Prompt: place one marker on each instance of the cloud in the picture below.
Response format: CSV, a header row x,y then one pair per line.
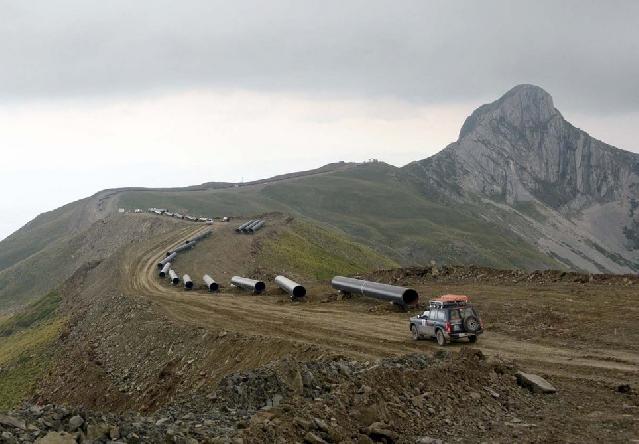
x,y
586,52
58,151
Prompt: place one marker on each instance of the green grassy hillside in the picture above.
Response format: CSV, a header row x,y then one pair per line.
x,y
25,354
375,205
309,251
38,234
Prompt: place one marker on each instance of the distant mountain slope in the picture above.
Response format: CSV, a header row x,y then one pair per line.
x,y
569,194
374,204
521,187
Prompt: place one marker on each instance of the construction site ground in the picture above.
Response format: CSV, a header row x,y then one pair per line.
x,y
177,347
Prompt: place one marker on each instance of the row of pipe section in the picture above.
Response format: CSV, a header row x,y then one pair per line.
x,y
251,226
401,296
211,285
255,286
294,289
189,243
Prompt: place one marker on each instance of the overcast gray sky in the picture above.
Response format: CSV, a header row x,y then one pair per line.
x,y
97,94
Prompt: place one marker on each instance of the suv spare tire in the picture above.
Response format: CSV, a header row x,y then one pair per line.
x,y
471,323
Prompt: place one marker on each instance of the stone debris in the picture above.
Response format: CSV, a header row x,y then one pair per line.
x,y
534,383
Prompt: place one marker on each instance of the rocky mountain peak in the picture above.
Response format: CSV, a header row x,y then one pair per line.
x,y
519,148
523,107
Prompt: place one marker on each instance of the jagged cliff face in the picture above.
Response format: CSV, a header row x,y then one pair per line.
x,y
519,150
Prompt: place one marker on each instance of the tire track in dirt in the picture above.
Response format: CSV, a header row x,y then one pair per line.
x,y
339,327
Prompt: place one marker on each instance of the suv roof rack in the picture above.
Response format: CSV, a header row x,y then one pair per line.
x,y
448,300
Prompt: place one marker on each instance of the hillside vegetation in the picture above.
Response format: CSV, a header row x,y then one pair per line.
x,y
286,245
37,274
25,340
310,251
375,205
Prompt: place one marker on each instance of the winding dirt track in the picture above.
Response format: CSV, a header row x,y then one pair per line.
x,y
343,327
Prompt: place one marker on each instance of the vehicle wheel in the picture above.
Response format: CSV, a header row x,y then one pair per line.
x,y
471,323
472,339
441,340
414,333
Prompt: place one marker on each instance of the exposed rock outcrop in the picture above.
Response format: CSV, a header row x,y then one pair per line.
x,y
519,152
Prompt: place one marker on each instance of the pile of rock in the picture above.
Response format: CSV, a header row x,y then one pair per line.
x,y
51,424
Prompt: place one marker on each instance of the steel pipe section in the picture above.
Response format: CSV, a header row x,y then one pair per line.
x,y
190,243
210,283
247,227
244,225
398,295
293,288
175,279
166,260
188,282
183,247
200,236
165,269
253,228
253,285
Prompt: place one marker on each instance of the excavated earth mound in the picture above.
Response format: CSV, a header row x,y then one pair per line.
x,y
450,397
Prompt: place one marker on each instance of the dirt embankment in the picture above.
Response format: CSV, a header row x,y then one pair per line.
x,y
462,274
263,368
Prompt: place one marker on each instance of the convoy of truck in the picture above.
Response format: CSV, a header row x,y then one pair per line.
x,y
165,212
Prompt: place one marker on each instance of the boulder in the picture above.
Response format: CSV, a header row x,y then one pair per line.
x,y
97,431
8,438
378,431
320,425
57,438
428,440
10,421
534,383
312,438
75,422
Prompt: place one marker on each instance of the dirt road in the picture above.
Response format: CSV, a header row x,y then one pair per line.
x,y
348,327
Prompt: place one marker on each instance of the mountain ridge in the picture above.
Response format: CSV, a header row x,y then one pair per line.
x,y
521,187
519,150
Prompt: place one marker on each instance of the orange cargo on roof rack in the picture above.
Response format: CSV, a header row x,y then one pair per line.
x,y
452,298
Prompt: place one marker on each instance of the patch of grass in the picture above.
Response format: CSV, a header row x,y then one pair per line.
x,y
530,209
309,250
25,351
375,206
24,358
38,311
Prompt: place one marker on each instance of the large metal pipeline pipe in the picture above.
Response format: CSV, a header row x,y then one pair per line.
x,y
210,283
292,288
166,260
248,284
183,247
399,295
165,269
257,226
175,279
201,236
188,282
190,243
244,225
247,228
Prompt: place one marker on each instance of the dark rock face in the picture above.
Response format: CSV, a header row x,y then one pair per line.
x,y
519,150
